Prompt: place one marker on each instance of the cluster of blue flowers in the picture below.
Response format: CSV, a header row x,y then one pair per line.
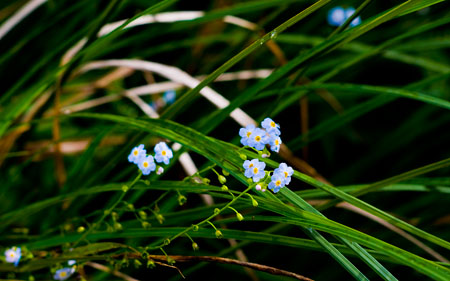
x,y
338,15
254,169
13,255
66,272
146,163
258,138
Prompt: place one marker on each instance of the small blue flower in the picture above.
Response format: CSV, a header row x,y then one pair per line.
x,y
147,164
13,255
348,13
137,153
275,143
64,273
336,16
169,96
71,262
258,139
246,133
254,169
163,153
286,171
277,182
271,127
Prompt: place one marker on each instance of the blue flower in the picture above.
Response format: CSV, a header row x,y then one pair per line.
x,y
146,164
13,255
71,262
245,133
348,13
163,153
286,171
254,169
258,139
336,16
64,273
136,154
169,96
275,143
277,182
271,127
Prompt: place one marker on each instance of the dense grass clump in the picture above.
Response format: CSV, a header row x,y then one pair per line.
x,y
224,140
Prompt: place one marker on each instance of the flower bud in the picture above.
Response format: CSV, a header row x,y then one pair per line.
x,y
130,206
181,199
166,241
216,211
249,180
160,170
195,227
160,218
145,225
206,181
264,155
125,188
143,215
219,234
195,246
224,188
81,229
254,203
147,182
243,156
170,261
151,263
137,263
225,172
115,216
258,187
222,179
239,216
118,226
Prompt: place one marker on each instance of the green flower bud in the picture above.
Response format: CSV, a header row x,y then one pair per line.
x,y
31,278
195,246
166,241
206,181
125,188
81,229
137,263
151,263
145,225
225,172
219,234
195,227
249,180
147,182
130,206
239,216
118,226
160,218
254,203
216,211
143,215
115,216
106,212
222,179
181,199
243,156
224,188
170,261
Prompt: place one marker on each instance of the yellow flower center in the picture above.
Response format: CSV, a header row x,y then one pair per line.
x,y
277,183
257,138
135,152
12,255
248,134
251,165
277,142
145,164
285,174
272,124
255,170
163,153
63,274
